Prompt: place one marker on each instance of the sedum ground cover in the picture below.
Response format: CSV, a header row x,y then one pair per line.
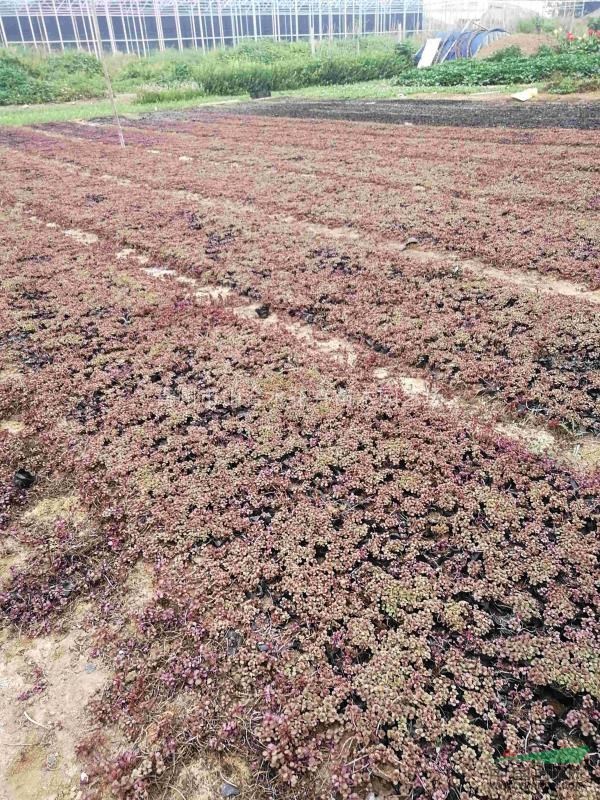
x,y
212,339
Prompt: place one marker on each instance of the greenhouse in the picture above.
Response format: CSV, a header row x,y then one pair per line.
x,y
139,26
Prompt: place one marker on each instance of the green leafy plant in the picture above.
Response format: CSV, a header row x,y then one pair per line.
x,y
405,52
505,71
20,82
536,24
260,86
512,51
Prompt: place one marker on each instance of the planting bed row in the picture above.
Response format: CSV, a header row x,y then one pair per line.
x,y
548,162
466,114
351,594
541,215
537,356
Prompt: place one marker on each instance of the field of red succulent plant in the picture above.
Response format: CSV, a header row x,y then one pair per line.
x,y
333,390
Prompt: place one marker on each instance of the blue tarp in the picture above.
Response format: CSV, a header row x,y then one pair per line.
x,y
462,44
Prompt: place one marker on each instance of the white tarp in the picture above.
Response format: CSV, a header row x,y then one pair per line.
x,y
429,53
526,94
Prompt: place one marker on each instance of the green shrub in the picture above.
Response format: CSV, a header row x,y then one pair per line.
x,y
546,50
512,51
274,66
182,72
250,67
259,87
20,82
240,78
160,94
506,71
60,65
561,84
536,25
264,52
30,78
78,87
405,52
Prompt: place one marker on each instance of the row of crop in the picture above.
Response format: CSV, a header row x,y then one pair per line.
x,y
431,162
343,589
534,355
542,221
299,149
581,64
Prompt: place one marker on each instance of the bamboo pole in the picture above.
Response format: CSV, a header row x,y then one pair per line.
x,y
109,86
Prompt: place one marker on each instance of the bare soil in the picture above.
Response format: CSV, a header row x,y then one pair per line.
x,y
528,43
496,113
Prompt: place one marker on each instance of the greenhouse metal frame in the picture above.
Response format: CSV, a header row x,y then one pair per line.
x,y
141,26
138,26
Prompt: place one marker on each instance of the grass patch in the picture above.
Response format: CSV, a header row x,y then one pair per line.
x,y
388,90
65,112
172,100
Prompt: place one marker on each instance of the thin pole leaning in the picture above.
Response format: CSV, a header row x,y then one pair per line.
x,y
58,28
109,86
3,37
